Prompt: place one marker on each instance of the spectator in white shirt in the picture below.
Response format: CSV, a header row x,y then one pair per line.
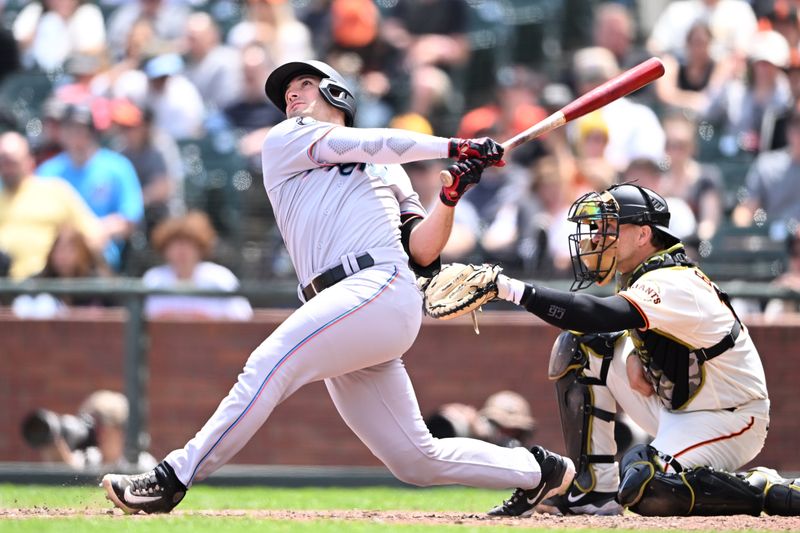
x,y
185,242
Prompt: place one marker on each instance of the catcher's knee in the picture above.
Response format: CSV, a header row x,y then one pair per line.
x,y
647,490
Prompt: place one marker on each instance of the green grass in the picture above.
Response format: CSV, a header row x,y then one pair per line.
x,y
204,497
88,511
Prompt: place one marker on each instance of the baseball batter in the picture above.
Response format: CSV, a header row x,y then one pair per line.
x,y
685,369
354,229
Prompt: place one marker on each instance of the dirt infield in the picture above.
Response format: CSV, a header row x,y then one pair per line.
x,y
629,521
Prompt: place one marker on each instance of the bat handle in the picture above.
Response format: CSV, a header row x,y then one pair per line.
x,y
446,178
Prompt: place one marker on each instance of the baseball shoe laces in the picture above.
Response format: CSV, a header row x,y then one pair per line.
x,y
156,491
557,475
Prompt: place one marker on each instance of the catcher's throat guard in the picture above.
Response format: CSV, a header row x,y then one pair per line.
x,y
593,246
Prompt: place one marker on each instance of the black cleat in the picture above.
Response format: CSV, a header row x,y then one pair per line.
x,y
156,491
576,501
557,475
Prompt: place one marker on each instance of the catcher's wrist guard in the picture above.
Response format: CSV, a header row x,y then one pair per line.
x,y
459,289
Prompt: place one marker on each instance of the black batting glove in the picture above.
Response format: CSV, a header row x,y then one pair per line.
x,y
486,150
466,174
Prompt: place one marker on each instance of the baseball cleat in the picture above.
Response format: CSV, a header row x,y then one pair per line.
x,y
557,475
575,501
156,491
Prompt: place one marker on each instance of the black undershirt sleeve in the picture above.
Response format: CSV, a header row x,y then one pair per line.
x,y
581,312
407,223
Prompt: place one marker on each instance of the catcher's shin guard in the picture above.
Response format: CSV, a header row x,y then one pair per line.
x,y
586,406
647,490
781,495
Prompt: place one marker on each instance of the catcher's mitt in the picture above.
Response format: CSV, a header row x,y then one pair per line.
x,y
459,289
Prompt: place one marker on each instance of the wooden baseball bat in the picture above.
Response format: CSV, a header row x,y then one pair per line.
x,y
625,83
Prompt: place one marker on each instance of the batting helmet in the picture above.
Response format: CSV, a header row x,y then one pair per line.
x,y
593,246
332,87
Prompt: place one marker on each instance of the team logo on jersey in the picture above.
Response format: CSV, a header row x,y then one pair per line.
x,y
703,277
648,292
305,121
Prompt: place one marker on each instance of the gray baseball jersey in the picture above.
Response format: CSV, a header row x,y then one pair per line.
x,y
327,210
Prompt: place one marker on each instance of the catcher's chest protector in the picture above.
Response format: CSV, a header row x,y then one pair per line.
x,y
674,368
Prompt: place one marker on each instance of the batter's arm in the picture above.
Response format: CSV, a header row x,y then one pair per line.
x,y
382,146
428,238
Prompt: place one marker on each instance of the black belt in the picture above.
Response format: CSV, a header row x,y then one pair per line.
x,y
727,342
333,276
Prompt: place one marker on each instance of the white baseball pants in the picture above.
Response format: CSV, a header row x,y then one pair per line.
x,y
352,335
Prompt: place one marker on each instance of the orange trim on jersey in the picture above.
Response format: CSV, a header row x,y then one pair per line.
x,y
311,148
716,439
644,316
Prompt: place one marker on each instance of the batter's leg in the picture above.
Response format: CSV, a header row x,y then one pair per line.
x,y
360,322
355,324
380,406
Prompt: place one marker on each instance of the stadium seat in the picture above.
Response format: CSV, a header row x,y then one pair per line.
x,y
743,254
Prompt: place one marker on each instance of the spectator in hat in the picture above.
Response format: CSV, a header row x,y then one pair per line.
x,y
185,243
106,412
48,143
105,179
740,106
177,105
50,31
775,125
81,70
505,420
508,417
149,151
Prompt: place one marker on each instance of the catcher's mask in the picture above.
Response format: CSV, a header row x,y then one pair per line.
x,y
597,216
332,86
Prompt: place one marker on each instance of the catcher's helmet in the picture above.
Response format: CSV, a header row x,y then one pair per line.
x,y
593,246
332,87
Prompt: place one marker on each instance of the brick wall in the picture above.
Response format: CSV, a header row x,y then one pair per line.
x,y
56,363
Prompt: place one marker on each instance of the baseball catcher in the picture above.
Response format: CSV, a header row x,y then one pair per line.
x,y
670,350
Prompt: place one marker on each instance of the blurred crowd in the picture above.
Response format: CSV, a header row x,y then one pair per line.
x,y
133,129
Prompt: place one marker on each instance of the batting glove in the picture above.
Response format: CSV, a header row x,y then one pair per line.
x,y
465,175
486,150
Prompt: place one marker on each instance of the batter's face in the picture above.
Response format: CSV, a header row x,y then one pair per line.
x,y
303,99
